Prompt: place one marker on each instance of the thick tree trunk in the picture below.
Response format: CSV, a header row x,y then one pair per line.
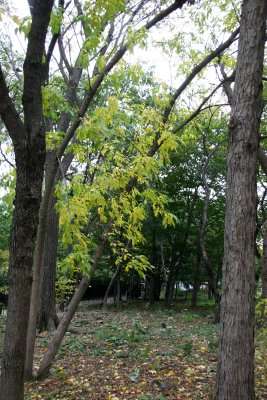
x,y
235,372
24,228
25,221
29,146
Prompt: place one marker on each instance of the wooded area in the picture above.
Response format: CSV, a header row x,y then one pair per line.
x,y
116,182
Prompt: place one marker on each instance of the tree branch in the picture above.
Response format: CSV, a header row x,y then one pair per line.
x,y
196,71
8,112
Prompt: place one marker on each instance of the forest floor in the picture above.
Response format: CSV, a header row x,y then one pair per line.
x,y
138,352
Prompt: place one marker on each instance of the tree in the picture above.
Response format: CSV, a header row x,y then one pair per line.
x,y
28,137
151,145
235,375
103,65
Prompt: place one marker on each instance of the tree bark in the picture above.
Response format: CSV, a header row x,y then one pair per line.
x,y
29,146
235,372
47,316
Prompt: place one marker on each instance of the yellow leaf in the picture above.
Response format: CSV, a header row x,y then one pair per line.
x,y
170,373
15,18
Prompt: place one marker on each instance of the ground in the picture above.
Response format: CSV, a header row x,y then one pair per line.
x,y
138,352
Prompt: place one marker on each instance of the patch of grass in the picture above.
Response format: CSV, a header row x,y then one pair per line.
x,y
72,344
187,348
213,345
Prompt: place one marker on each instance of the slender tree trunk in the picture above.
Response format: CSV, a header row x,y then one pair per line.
x,y
72,307
235,372
170,288
41,280
118,289
196,281
111,284
47,316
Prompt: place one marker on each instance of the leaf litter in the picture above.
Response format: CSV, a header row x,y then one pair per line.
x,y
137,353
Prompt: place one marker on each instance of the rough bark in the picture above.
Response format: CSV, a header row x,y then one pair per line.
x,y
29,147
235,372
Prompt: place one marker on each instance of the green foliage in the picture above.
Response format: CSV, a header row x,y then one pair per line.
x,y
25,26
56,19
65,287
187,348
5,223
113,165
95,17
261,312
4,258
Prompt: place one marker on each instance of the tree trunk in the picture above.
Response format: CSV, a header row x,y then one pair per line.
x,y
72,307
25,221
29,145
196,281
47,316
111,284
118,290
170,288
235,372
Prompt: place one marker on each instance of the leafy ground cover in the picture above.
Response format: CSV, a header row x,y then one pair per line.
x,y
140,353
